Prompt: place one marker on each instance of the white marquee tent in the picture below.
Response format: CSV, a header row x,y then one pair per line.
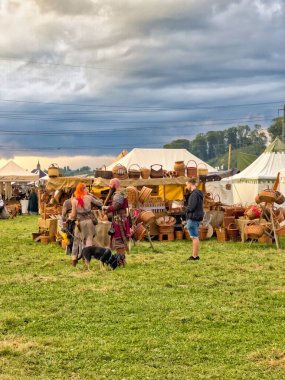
x,y
11,172
259,175
164,157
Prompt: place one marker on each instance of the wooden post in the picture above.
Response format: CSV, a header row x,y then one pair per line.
x,y
230,156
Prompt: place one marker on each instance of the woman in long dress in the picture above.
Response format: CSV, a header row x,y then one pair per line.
x,y
85,231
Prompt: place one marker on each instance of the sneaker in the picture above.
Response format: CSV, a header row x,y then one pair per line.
x,y
193,258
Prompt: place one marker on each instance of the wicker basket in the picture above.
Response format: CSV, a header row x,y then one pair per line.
x,y
45,239
203,230
279,215
139,232
267,196
186,234
233,232
53,170
179,235
144,194
202,172
253,212
146,217
103,173
119,171
156,173
228,220
280,231
222,234
145,173
179,167
191,171
254,231
279,198
132,195
134,173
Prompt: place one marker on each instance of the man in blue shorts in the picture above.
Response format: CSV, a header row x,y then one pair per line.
x,y
194,215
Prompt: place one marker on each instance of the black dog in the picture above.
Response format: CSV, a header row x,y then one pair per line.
x,y
103,255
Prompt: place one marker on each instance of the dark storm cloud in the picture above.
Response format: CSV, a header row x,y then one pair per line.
x,y
134,56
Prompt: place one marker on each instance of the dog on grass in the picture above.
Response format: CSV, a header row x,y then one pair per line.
x,y
103,255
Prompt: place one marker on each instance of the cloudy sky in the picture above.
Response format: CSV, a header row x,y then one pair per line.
x,y
83,80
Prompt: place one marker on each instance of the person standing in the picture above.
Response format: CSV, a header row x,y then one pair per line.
x,y
33,207
120,223
194,215
81,212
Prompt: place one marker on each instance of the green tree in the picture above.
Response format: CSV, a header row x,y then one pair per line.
x,y
275,128
178,144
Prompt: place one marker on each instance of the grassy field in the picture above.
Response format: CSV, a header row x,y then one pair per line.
x,y
162,317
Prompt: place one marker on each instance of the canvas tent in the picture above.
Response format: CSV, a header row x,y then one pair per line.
x,y
166,158
11,172
259,175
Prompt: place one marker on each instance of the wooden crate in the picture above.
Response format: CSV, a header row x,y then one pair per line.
x,y
48,225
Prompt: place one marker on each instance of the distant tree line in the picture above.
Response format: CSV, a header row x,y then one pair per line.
x,y
215,143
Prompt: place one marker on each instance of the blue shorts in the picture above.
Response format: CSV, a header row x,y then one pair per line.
x,y
193,228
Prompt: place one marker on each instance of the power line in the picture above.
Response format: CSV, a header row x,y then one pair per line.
x,y
144,108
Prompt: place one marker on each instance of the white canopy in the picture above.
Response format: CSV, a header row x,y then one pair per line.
x,y
11,172
164,157
259,175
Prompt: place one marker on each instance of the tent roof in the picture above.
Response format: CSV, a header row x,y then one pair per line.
x,y
266,166
121,155
164,157
277,146
13,172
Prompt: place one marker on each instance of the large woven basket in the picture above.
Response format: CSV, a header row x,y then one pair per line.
x,y
254,231
191,170
119,171
53,170
267,196
103,173
202,171
145,173
139,232
132,195
222,234
179,167
134,173
233,232
146,217
144,194
253,212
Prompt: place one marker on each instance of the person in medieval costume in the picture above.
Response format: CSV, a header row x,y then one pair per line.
x,y
120,224
82,213
33,207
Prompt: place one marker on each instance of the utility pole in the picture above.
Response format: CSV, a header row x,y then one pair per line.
x,y
230,156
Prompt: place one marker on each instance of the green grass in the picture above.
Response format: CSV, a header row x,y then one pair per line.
x,y
162,317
